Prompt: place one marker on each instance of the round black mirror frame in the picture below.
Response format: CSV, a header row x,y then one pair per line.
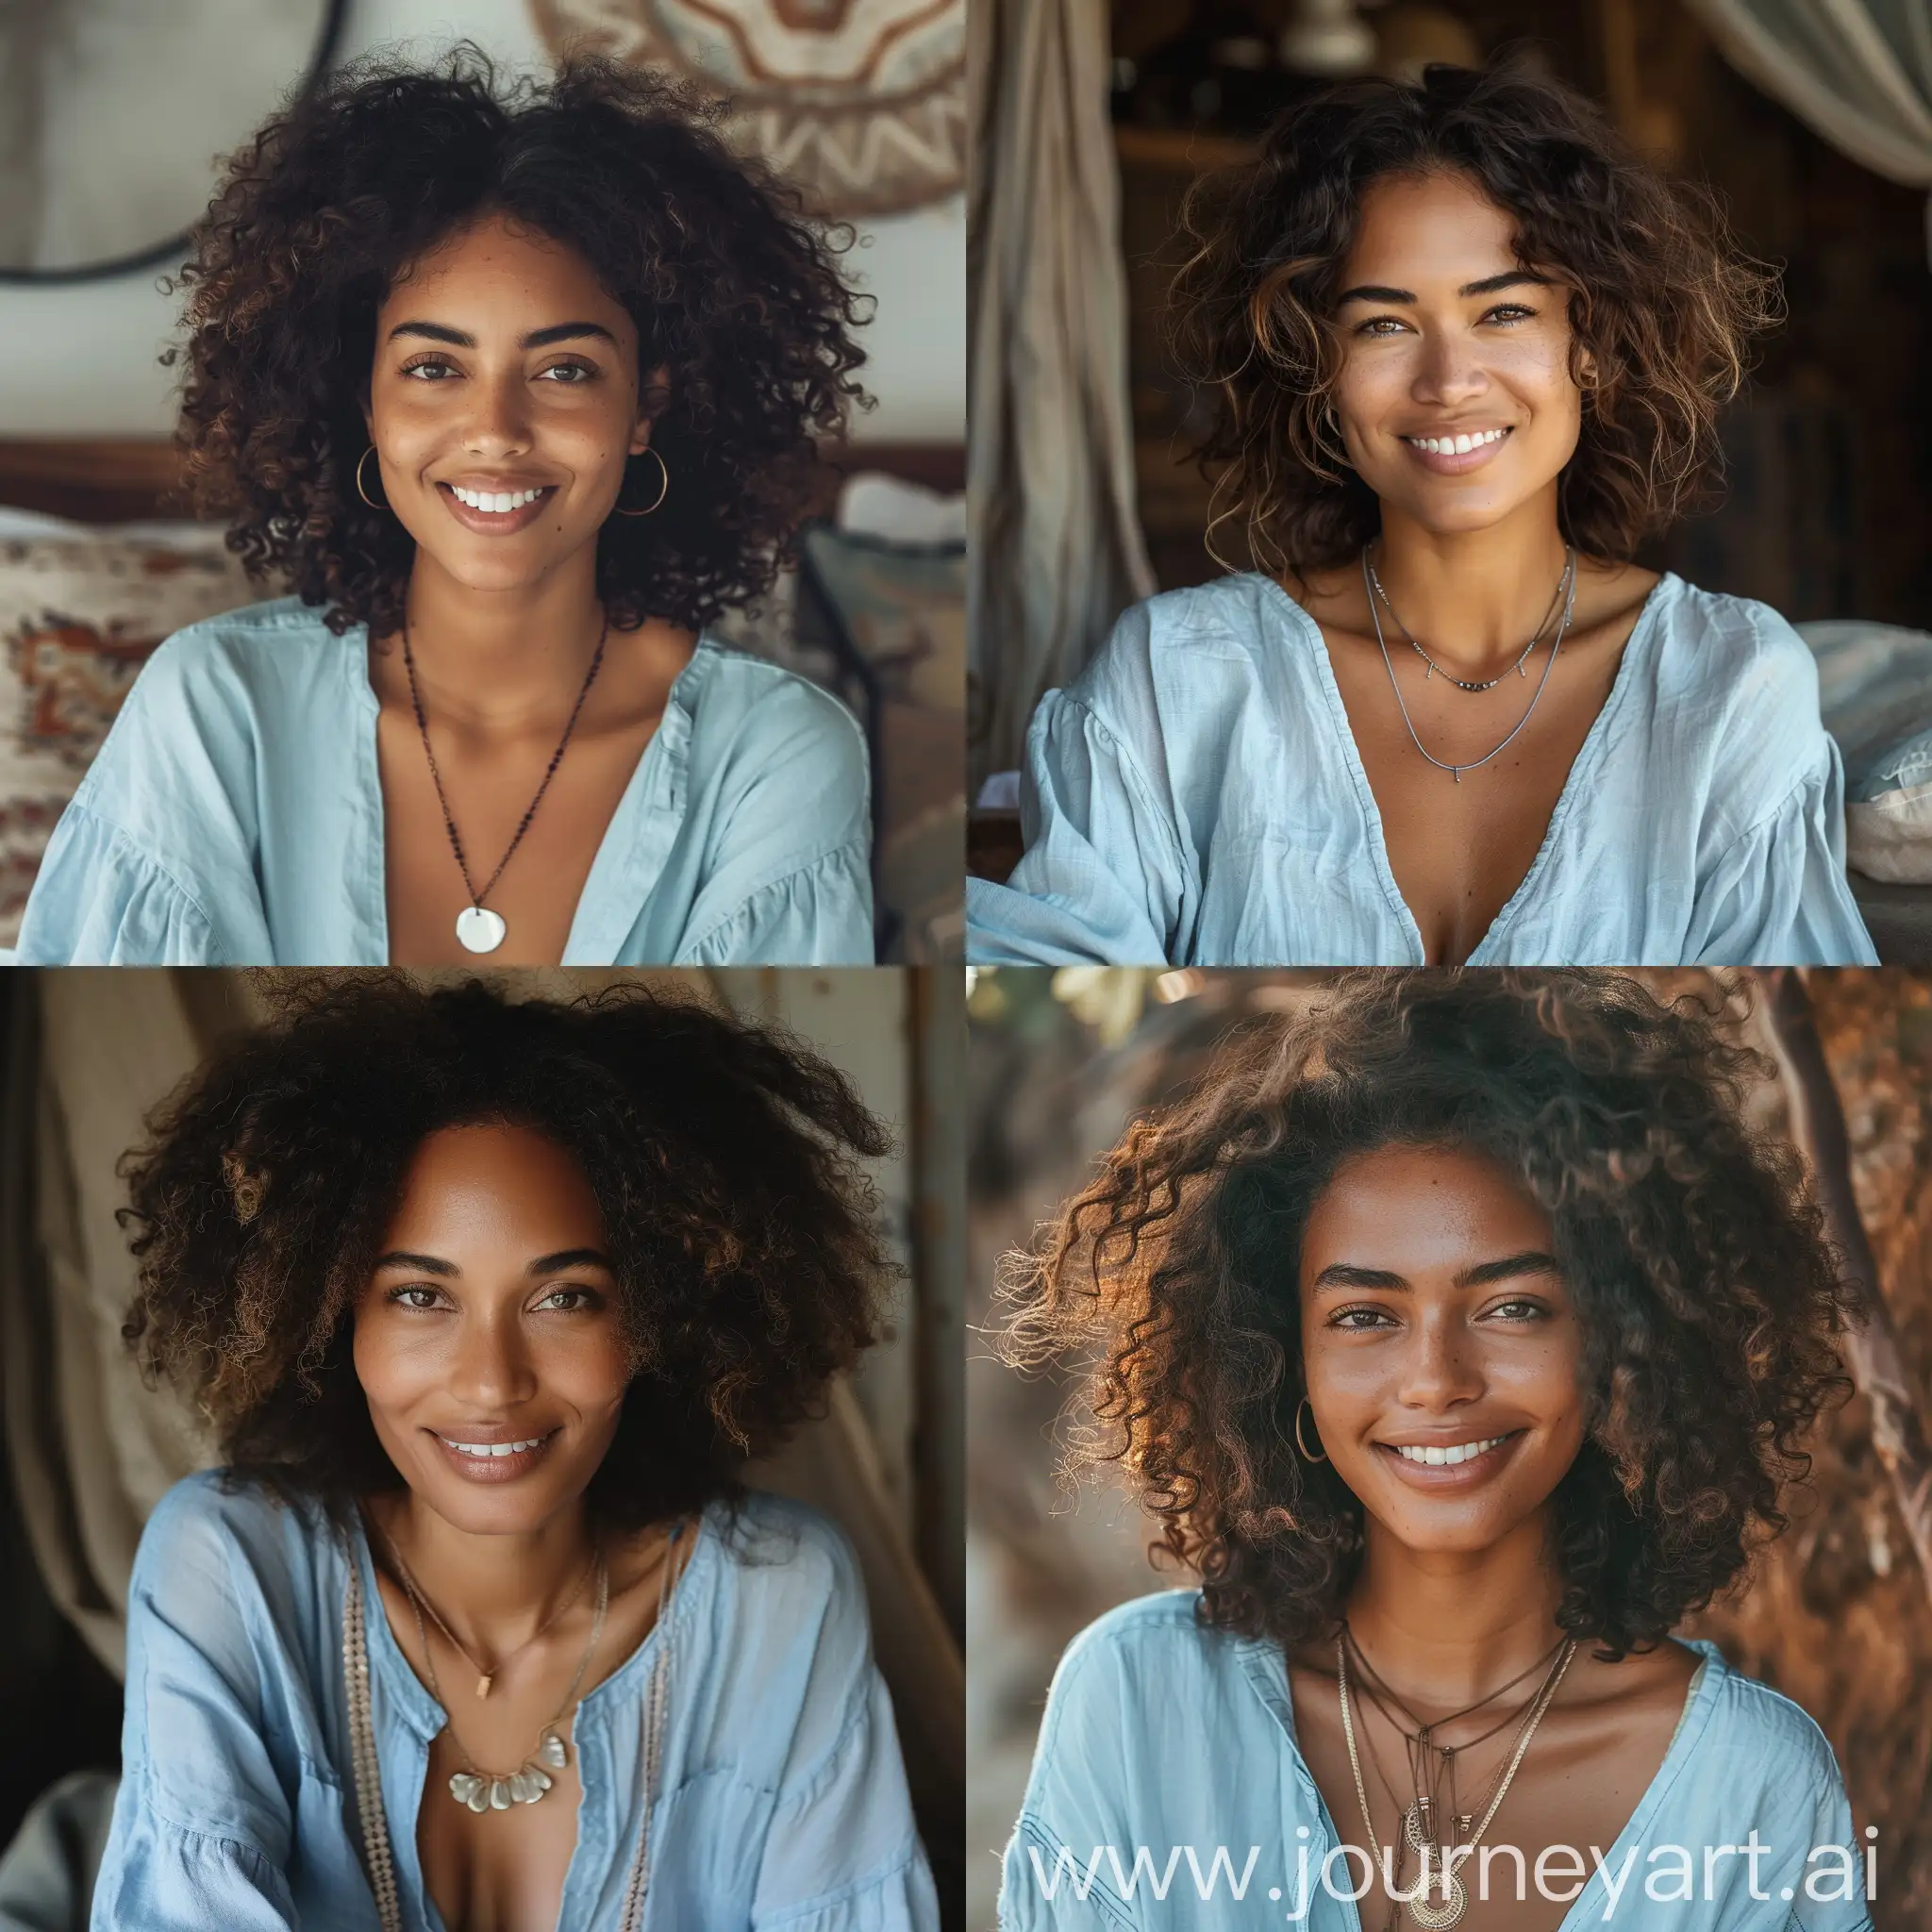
x,y
333,16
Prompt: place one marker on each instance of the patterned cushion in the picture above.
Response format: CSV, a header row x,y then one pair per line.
x,y
79,615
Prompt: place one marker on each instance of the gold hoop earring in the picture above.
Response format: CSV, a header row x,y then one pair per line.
x,y
359,491
1307,1456
663,488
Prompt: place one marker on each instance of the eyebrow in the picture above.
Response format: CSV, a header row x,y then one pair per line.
x,y
543,1264
1341,1274
537,339
1509,278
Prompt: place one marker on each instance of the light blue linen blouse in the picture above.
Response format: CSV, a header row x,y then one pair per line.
x,y
234,817
783,1798
1195,797
1160,1734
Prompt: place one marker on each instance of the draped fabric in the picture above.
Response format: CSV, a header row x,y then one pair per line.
x,y
92,1450
1057,551
1859,72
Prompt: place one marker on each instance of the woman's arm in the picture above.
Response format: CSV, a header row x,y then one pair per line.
x,y
203,1827
843,1853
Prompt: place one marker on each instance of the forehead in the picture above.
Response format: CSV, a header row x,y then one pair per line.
x,y
1418,230
494,267
495,1183
1414,1209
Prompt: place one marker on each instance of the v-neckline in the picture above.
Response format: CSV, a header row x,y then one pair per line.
x,y
592,935
1268,1671
1588,753
426,1718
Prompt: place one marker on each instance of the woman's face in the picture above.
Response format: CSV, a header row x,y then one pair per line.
x,y
1445,335
490,1319
1434,1319
503,367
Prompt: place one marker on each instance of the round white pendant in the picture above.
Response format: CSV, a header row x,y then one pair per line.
x,y
480,929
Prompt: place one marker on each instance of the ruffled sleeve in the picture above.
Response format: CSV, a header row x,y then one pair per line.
x,y
1776,895
819,915
101,900
1103,879
202,1827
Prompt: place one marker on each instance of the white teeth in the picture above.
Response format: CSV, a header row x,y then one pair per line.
x,y
490,1448
1456,445
496,501
1462,1452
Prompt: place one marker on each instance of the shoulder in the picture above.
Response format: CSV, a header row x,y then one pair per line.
x,y
725,687
789,1568
1134,1661
1760,1741
1735,647
213,1533
1236,615
261,661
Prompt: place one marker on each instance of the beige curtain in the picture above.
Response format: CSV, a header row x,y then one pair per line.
x,y
1859,72
92,1450
1057,551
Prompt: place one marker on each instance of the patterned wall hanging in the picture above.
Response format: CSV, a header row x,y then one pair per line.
x,y
860,103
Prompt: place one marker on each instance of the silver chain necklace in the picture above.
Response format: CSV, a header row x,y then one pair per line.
x,y
1568,587
1465,683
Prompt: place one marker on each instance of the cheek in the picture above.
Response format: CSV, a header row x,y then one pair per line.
x,y
394,1366
589,1369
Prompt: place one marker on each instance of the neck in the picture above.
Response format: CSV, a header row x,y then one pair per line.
x,y
491,1590
1472,598
501,660
1444,1628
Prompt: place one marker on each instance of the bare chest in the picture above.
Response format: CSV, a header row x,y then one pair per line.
x,y
496,1871
490,791
1461,845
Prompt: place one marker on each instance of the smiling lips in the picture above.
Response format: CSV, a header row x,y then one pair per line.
x,y
1461,450
483,1461
1450,1465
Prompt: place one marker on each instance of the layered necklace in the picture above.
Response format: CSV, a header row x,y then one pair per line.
x,y
1377,597
483,1792
478,928
1441,1898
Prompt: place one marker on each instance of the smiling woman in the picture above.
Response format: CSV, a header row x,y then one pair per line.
x,y
1462,1339
1467,352
519,389
486,1303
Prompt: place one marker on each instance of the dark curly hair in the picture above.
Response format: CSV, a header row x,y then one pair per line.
x,y
733,291
723,1158
1709,1297
1664,304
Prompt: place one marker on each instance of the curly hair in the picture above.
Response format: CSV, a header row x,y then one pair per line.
x,y
735,294
1664,304
724,1158
1708,1297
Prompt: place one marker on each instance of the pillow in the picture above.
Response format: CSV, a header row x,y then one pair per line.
x,y
1875,688
79,616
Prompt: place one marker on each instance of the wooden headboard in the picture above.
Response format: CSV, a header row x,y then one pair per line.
x,y
121,480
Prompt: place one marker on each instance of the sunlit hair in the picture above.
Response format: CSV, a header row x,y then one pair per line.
x,y
735,294
1708,1298
726,1163
1663,303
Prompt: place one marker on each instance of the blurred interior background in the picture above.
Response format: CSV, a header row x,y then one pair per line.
x,y
88,1451
1812,119
1838,1614
113,116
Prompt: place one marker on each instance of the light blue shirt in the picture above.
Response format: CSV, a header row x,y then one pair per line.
x,y
1196,798
234,817
783,1798
1161,1734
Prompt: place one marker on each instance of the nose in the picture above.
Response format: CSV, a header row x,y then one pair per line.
x,y
1451,369
492,1370
1440,1366
497,423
